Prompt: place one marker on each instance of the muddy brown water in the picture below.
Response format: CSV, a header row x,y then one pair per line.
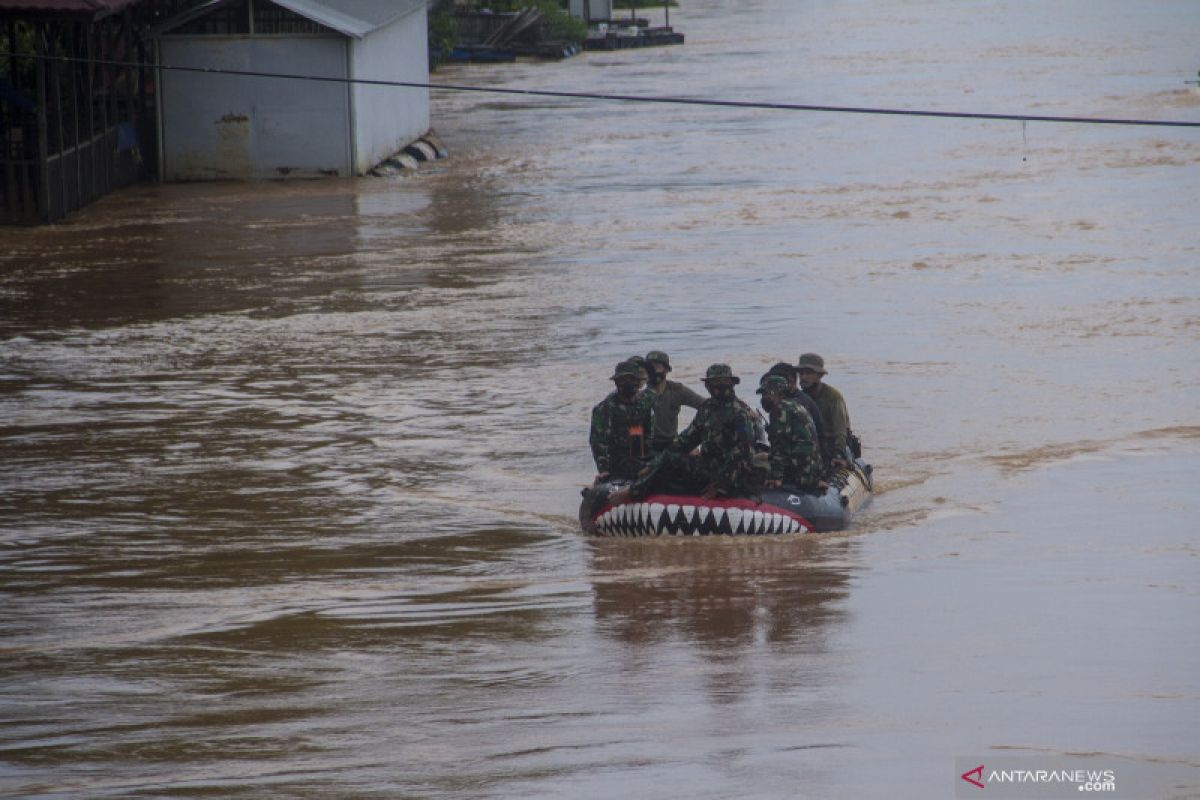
x,y
289,471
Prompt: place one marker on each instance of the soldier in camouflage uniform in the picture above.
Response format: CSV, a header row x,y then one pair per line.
x,y
796,393
645,396
724,430
621,425
795,456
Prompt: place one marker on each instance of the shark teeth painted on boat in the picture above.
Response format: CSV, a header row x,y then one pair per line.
x,y
656,517
666,519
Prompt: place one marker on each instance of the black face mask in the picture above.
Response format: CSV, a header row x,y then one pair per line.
x,y
722,394
657,377
627,390
768,404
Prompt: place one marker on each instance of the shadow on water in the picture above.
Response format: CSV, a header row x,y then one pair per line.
x,y
741,614
721,595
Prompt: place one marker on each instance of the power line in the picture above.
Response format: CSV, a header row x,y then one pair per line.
x,y
690,101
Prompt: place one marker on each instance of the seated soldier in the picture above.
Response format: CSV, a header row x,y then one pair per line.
x,y
796,393
795,456
834,417
724,430
620,426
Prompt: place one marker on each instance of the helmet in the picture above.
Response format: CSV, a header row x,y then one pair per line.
x,y
782,368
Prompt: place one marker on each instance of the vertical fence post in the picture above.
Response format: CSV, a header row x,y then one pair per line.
x,y
43,124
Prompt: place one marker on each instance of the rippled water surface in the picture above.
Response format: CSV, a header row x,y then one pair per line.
x,y
290,471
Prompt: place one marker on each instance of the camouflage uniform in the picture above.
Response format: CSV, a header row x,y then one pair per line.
x,y
724,430
795,459
619,433
788,372
647,399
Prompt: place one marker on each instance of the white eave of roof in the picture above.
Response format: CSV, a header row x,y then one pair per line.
x,y
355,18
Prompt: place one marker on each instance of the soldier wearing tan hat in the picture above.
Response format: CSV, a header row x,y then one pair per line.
x,y
835,419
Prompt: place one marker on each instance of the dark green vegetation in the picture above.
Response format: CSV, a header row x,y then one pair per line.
x,y
555,25
443,36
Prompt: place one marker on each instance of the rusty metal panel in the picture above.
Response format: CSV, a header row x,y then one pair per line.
x,y
240,127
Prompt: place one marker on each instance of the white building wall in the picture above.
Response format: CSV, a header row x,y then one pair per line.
x,y
388,118
235,127
598,9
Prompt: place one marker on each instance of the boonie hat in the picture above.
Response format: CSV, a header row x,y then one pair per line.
x,y
772,383
627,369
812,361
717,371
660,357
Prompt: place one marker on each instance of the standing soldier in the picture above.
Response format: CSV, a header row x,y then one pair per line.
x,y
620,426
795,458
834,416
669,397
724,430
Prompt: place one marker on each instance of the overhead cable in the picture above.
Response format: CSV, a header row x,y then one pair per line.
x,y
626,98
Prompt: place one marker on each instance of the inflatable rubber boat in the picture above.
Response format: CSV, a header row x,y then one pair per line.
x,y
774,511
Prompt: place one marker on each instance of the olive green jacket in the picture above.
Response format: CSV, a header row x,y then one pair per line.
x,y
835,419
666,412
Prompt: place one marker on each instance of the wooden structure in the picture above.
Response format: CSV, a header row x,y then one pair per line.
x,y
70,130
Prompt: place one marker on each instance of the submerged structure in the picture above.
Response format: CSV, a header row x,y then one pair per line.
x,y
71,130
97,94
222,126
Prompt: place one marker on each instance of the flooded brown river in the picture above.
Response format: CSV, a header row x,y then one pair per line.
x,y
289,471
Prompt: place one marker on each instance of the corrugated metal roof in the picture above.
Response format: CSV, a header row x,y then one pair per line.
x,y
354,18
67,6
